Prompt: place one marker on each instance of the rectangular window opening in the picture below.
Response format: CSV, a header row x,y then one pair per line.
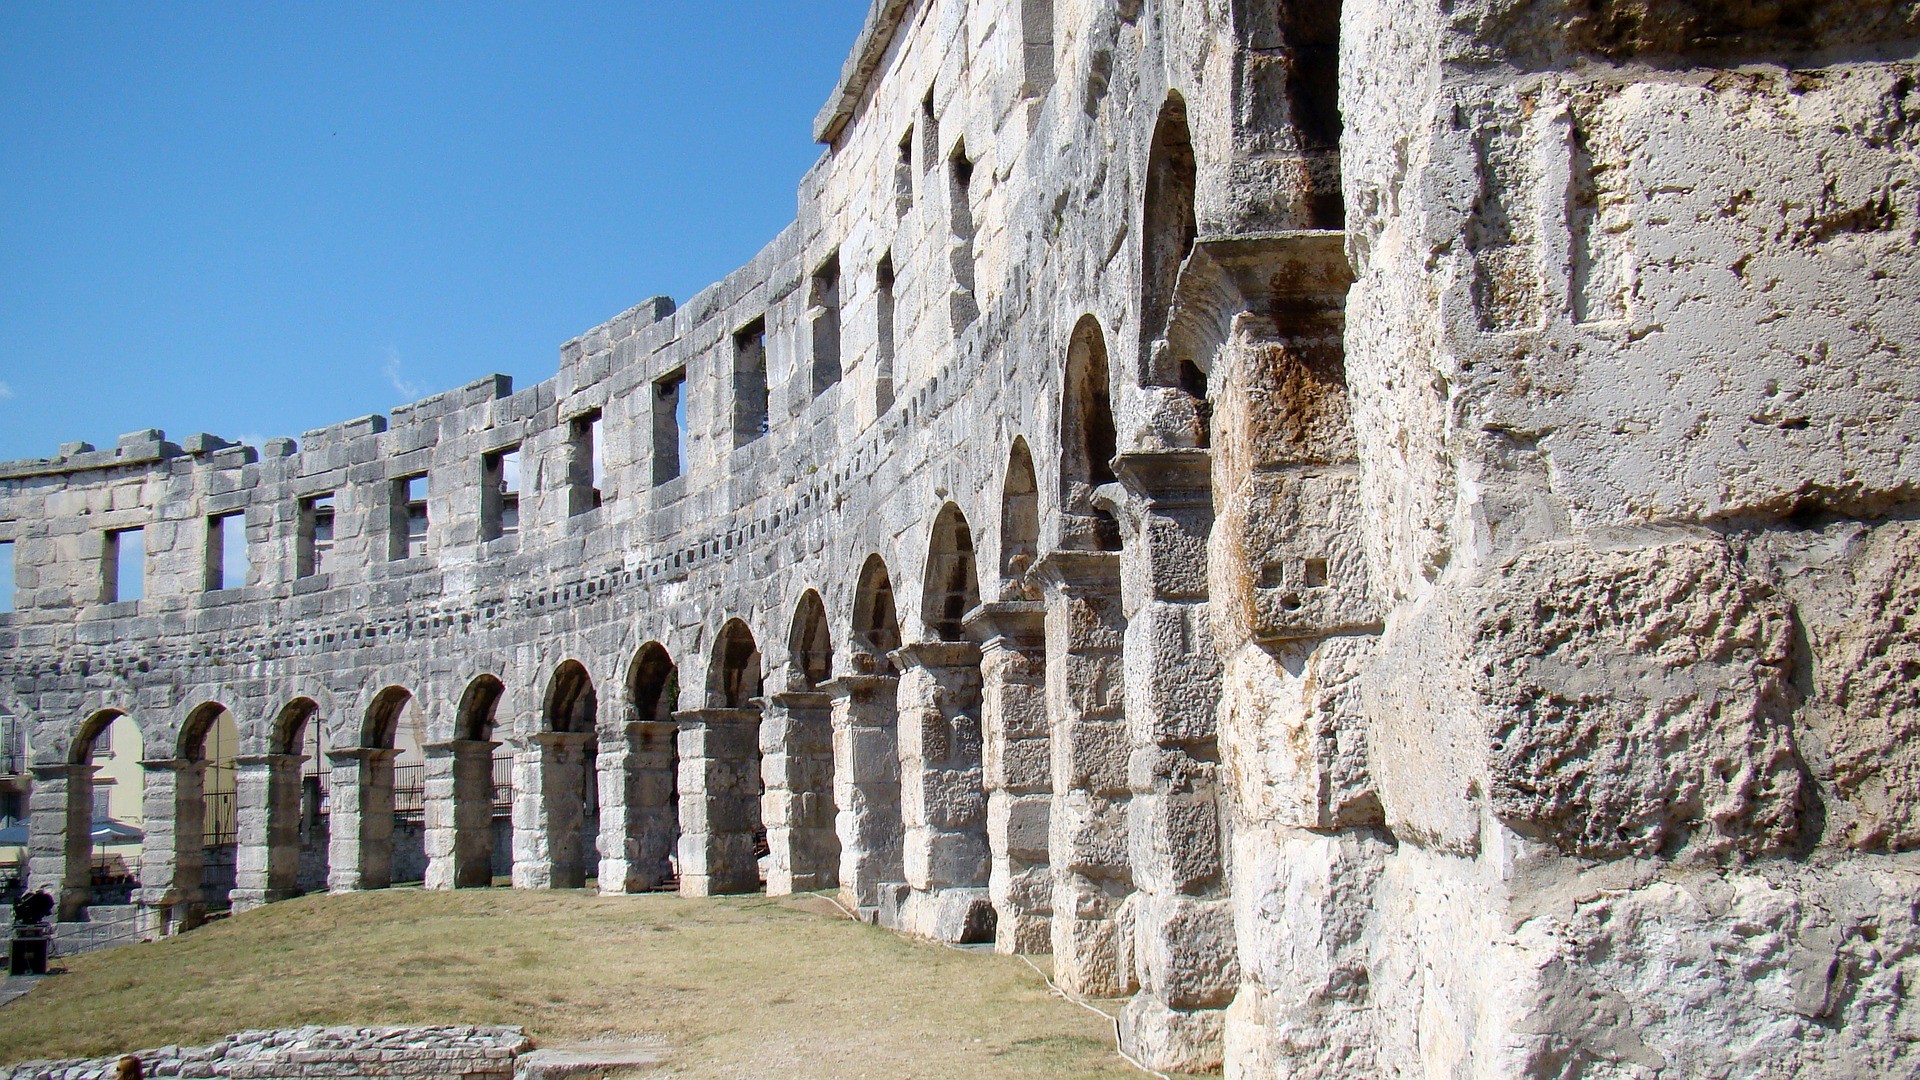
x,y
408,539
669,425
227,565
964,307
750,383
316,535
903,177
883,371
500,494
823,311
584,470
125,566
6,576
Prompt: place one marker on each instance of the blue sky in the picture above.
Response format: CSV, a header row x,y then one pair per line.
x,y
256,219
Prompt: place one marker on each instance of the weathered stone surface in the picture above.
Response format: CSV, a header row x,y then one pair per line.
x,y
1383,530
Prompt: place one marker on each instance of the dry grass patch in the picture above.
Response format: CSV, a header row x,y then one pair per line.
x,y
739,987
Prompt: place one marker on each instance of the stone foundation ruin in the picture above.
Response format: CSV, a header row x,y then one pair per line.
x,y
1381,531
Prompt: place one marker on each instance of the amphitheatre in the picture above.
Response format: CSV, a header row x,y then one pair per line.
x,y
1376,535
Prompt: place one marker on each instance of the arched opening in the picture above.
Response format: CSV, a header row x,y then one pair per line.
x,y
734,679
1088,443
724,846
796,739
482,786
952,586
942,754
91,853
564,775
1169,229
650,821
876,626
316,745
372,843
1019,524
206,818
290,818
809,644
866,732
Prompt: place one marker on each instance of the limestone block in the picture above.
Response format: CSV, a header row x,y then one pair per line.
x,y
1606,702
1186,950
1089,835
1020,824
1289,559
1294,734
1174,841
1091,755
1173,675
1163,1037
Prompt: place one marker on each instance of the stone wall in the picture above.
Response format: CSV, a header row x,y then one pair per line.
x,y
1380,532
443,1053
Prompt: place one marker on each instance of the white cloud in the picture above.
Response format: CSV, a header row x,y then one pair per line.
x,y
6,392
395,374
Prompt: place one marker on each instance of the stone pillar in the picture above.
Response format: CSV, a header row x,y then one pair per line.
x,y
267,812
174,853
59,821
1018,772
1184,946
719,801
548,810
639,811
459,814
943,799
360,819
796,768
1086,712
866,787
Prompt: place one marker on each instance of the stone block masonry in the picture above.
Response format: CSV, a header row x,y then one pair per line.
x,y
1380,532
432,1053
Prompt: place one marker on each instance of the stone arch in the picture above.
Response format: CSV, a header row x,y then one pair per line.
x,y
362,819
1019,523
1168,229
810,643
876,622
462,848
734,675
797,768
556,819
720,803
952,585
60,853
278,783
640,811
1088,441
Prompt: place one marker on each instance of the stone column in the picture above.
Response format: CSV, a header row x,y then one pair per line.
x,y
639,814
943,799
459,814
174,853
796,768
360,819
719,801
548,809
1086,711
866,787
1018,771
59,819
1184,944
267,813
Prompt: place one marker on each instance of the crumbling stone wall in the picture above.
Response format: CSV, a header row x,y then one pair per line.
x,y
465,1053
1433,482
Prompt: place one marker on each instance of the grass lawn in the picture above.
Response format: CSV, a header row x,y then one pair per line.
x,y
737,987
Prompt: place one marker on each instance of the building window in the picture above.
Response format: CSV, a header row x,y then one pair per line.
x,y
124,566
409,535
227,565
316,535
584,470
6,576
669,425
903,177
500,494
750,383
960,221
823,311
883,369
